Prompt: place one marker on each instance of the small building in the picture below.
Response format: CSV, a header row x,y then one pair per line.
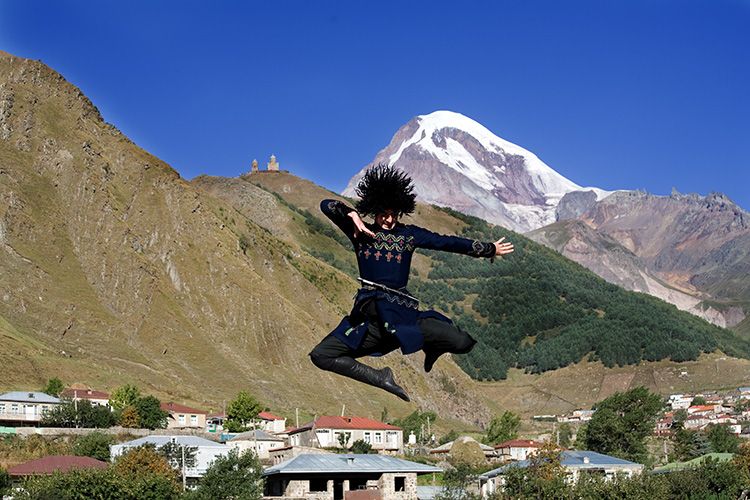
x,y
271,423
21,407
574,462
259,441
332,476
273,165
48,465
206,450
325,432
184,417
95,397
516,449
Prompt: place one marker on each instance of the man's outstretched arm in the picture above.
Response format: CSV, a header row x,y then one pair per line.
x,y
475,248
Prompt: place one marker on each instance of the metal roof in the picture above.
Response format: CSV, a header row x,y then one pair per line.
x,y
573,459
29,397
331,463
159,441
256,434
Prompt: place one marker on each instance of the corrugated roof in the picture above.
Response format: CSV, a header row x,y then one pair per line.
x,y
328,463
573,459
159,441
176,408
50,464
333,422
519,443
256,434
28,397
267,415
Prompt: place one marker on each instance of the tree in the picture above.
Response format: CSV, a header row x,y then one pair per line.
x,y
564,435
544,477
343,439
124,396
503,428
721,439
361,447
150,414
621,423
231,476
698,401
417,422
457,482
242,411
95,445
79,414
447,438
142,461
129,417
54,387
689,444
5,481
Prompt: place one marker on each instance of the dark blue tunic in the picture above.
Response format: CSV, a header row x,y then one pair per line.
x,y
386,259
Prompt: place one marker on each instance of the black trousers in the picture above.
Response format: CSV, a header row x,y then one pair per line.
x,y
439,338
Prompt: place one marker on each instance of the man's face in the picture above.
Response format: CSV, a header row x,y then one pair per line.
x,y
386,220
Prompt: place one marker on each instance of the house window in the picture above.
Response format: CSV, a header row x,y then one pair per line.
x,y
318,485
399,483
378,437
2,407
193,419
14,408
368,438
391,438
181,419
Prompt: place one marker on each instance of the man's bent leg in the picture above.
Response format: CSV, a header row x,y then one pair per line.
x,y
441,337
333,355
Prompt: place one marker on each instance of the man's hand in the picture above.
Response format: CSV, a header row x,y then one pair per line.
x,y
503,248
359,225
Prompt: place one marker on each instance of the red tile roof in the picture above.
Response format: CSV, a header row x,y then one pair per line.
x,y
330,422
50,464
519,443
175,408
84,394
266,415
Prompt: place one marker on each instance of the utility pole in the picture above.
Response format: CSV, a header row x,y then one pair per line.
x,y
184,479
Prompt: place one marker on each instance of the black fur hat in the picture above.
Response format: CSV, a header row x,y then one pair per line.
x,y
385,188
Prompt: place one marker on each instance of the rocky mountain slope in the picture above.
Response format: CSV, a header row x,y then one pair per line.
x,y
115,270
690,250
456,162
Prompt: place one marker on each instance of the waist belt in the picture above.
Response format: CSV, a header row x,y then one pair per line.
x,y
377,286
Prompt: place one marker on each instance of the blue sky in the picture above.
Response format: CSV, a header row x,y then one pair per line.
x,y
617,94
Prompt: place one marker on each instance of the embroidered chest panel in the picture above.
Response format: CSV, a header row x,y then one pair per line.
x,y
387,246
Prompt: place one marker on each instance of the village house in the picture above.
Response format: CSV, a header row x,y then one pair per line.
x,y
259,441
269,422
577,416
184,417
327,431
51,464
680,401
206,450
22,407
516,449
334,477
574,462
95,397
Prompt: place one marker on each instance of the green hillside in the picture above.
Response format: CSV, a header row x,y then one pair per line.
x,y
540,311
534,309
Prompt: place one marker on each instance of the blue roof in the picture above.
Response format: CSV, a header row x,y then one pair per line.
x,y
159,441
332,463
29,397
573,459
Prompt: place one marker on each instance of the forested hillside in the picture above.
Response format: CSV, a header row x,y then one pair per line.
x,y
538,310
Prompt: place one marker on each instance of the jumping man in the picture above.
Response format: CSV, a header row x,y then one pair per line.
x,y
385,316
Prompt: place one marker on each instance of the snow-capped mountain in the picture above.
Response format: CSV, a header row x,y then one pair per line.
x,y
458,163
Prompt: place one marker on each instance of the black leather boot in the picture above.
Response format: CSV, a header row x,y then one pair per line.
x,y
429,359
383,378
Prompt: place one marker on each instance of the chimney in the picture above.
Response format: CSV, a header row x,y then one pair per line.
x,y
350,460
586,459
